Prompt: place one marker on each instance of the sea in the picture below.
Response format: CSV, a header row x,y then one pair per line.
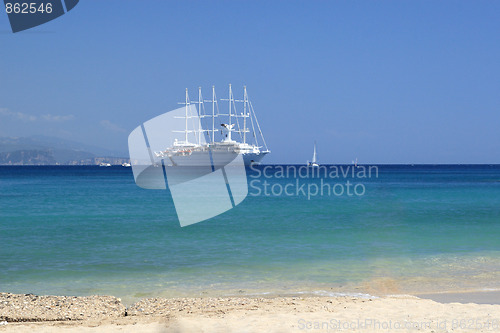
x,y
335,230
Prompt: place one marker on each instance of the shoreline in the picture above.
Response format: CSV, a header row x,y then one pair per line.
x,y
28,312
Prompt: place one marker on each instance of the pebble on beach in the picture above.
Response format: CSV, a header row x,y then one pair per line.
x,y
29,307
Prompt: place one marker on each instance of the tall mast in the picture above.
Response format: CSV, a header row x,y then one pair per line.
x,y
186,131
200,104
245,98
213,113
230,101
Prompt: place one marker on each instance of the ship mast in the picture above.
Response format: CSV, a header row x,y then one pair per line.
x,y
200,105
213,113
245,100
186,131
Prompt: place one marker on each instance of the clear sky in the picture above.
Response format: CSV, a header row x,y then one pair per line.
x,y
383,81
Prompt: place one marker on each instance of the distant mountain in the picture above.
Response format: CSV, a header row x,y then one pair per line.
x,y
48,142
27,157
44,150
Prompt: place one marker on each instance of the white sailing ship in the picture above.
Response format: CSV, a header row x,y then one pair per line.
x,y
240,134
314,162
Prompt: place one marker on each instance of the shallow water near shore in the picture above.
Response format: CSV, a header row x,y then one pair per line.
x,y
91,230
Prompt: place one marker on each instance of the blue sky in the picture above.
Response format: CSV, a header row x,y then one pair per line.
x,y
383,81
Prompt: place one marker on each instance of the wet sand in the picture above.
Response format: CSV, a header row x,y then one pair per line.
x,y
481,297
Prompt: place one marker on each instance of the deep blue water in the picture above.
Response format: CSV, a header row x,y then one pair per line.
x,y
90,230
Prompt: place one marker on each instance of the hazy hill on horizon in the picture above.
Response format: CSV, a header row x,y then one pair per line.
x,y
46,150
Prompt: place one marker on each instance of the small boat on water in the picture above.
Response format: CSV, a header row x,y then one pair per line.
x,y
314,162
102,164
126,165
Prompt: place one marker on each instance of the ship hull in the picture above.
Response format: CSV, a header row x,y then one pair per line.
x,y
253,158
218,158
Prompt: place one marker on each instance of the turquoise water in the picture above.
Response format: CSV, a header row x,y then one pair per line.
x,y
91,230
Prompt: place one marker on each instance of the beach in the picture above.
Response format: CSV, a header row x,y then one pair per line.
x,y
396,313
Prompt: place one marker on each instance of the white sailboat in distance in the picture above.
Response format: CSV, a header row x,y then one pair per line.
x,y
314,162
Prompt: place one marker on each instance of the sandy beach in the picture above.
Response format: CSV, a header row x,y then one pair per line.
x,y
399,313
